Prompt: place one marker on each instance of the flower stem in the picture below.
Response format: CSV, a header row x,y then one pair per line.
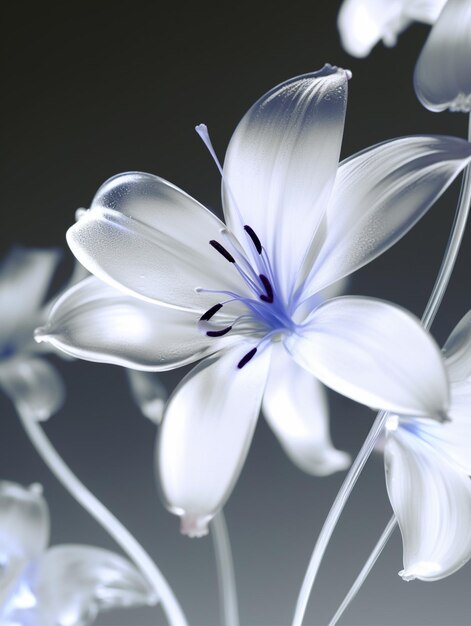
x,y
225,570
106,519
367,567
441,284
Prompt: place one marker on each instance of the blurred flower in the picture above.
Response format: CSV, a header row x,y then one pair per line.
x,y
428,465
442,76
251,297
31,382
64,585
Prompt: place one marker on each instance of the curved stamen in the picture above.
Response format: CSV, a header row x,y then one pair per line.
x,y
222,250
248,357
219,333
253,236
268,288
210,312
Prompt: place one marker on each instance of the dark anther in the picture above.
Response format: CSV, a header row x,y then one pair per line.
x,y
244,360
217,246
219,333
268,289
256,241
210,312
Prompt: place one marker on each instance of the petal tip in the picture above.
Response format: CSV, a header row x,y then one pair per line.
x,y
194,525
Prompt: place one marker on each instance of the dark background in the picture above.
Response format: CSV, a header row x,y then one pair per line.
x,y
93,90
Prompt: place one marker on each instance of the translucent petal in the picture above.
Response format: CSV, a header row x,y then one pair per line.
x,y
426,11
96,322
458,351
73,583
379,194
281,163
206,433
375,353
33,385
432,502
442,75
295,406
149,238
25,275
149,394
24,531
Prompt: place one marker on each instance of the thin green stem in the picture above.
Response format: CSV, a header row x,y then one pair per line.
x,y
367,567
106,519
225,570
431,310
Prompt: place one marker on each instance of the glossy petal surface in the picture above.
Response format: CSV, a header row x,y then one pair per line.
x,y
458,351
295,406
442,75
33,385
149,238
96,322
149,394
432,502
375,353
25,276
281,163
379,194
206,433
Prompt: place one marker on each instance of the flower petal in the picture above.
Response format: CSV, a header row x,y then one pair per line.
x,y
145,236
24,280
96,322
73,583
458,351
379,194
281,163
149,394
33,385
295,406
442,76
206,433
24,531
432,502
375,353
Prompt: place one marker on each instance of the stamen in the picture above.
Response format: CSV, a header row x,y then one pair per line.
x,y
210,312
202,131
244,360
268,289
219,333
253,236
222,250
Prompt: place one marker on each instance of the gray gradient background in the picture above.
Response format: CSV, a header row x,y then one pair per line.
x,y
93,90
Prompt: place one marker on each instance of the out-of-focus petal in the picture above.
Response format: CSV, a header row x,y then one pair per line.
x,y
149,394
96,322
426,11
24,531
206,433
281,163
442,75
72,584
295,406
458,351
375,353
24,280
145,236
379,194
34,386
432,502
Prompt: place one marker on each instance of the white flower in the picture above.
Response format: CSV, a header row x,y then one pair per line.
x,y
250,296
64,585
443,72
30,381
428,465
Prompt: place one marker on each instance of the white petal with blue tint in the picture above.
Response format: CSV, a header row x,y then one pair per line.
x,y
206,433
34,386
295,406
150,239
149,394
458,351
442,75
96,322
375,353
281,163
431,499
379,194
